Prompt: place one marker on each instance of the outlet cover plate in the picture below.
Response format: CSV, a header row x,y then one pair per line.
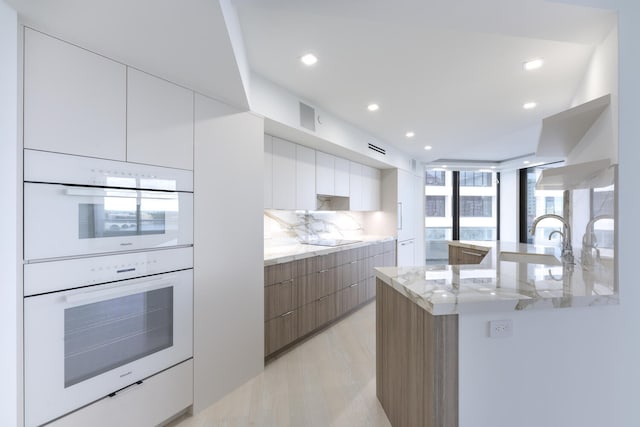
x,y
501,328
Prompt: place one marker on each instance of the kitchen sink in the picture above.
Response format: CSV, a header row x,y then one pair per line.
x,y
529,258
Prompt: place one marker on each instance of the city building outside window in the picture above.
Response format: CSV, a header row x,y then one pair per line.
x,y
435,206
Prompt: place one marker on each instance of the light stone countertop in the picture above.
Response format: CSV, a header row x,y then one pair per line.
x,y
278,254
495,286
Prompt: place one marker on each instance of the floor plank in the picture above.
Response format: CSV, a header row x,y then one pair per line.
x,y
329,380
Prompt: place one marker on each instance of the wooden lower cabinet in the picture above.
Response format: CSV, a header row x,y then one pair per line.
x,y
326,308
463,255
305,295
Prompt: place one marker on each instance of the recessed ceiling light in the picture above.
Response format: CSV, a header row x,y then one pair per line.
x,y
410,134
493,167
534,64
526,162
309,59
444,166
529,105
373,107
428,147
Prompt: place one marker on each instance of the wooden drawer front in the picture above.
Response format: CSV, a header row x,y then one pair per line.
x,y
326,281
346,256
307,289
389,259
278,273
348,274
471,256
375,249
389,246
378,261
306,266
280,298
307,319
280,331
348,298
326,309
367,266
326,262
367,289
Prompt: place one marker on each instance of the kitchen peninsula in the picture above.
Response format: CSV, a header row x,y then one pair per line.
x,y
418,309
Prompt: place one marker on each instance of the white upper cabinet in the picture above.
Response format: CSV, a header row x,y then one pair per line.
x,y
355,187
268,172
74,100
159,122
305,178
341,177
284,174
407,205
370,188
325,179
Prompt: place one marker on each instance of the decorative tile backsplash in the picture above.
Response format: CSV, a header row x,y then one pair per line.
x,y
286,227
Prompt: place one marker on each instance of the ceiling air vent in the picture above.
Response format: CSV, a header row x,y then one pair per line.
x,y
307,117
377,149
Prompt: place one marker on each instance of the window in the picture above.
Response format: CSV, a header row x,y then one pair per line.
x,y
535,203
549,205
476,206
475,179
435,206
435,177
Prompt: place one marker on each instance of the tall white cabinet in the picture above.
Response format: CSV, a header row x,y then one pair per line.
x,y
159,121
74,100
267,178
305,178
284,174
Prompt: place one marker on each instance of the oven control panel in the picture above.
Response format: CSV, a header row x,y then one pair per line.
x,y
53,276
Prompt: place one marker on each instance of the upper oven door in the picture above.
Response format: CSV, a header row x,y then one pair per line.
x,y
62,220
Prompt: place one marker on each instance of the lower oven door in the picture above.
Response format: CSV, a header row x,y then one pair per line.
x,y
84,344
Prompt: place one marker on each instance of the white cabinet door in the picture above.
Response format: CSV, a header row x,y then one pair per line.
x,y
355,187
325,179
284,174
341,177
406,253
407,206
371,188
159,122
74,100
268,172
305,178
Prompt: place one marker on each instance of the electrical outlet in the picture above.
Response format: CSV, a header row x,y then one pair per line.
x,y
501,328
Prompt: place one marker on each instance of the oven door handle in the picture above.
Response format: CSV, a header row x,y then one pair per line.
x,y
119,291
118,192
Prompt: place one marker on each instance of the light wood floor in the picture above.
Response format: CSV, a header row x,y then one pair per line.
x,y
329,380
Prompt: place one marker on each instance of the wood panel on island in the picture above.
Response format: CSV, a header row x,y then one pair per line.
x,y
464,255
304,296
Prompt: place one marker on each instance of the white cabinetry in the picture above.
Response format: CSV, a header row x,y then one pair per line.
x,y
152,402
305,178
325,173
407,206
268,171
406,253
159,122
74,100
341,177
284,174
370,188
355,187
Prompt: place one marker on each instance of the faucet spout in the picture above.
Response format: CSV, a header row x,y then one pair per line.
x,y
567,249
589,240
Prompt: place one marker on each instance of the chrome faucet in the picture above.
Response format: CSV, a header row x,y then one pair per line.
x,y
567,249
589,240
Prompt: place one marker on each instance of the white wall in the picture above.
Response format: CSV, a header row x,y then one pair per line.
x,y
509,206
228,250
9,222
570,367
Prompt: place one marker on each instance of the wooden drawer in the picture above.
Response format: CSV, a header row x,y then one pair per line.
x,y
389,246
280,298
326,307
348,274
346,256
326,281
306,266
307,290
326,262
278,273
378,261
375,249
280,331
472,256
348,298
389,259
307,319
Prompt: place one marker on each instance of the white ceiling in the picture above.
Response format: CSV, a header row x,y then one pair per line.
x,y
451,71
185,41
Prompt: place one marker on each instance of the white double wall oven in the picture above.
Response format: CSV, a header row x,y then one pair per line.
x,y
108,279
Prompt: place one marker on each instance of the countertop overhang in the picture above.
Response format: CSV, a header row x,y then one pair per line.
x,y
497,286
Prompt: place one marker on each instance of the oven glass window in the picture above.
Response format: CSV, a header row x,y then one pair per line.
x,y
125,216
104,335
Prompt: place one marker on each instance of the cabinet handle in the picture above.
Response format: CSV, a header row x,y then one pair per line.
x,y
355,284
286,281
353,262
399,215
472,253
286,314
324,271
324,298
